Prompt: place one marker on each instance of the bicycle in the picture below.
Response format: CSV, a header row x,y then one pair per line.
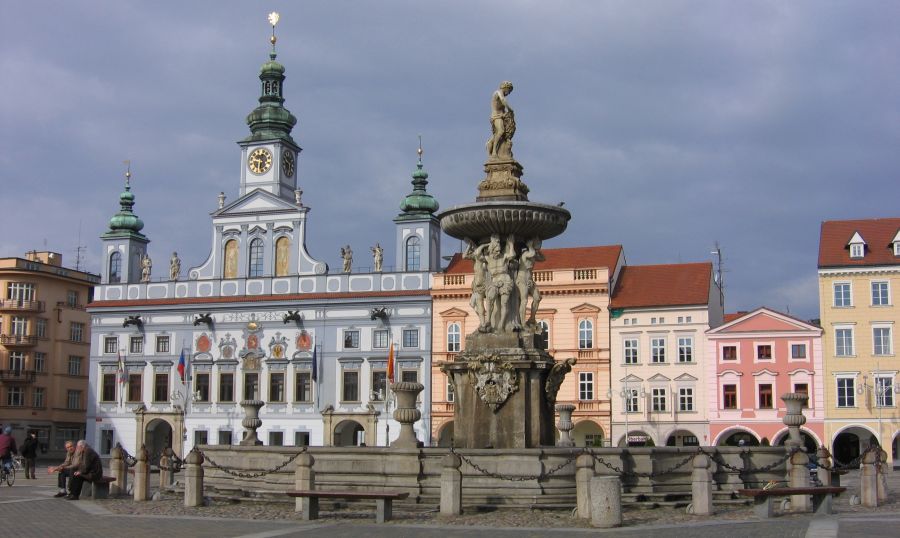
x,y
7,474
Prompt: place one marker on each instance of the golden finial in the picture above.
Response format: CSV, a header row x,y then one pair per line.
x,y
273,20
127,174
420,151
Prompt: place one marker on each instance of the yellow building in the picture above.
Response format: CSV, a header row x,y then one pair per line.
x,y
859,272
44,348
574,313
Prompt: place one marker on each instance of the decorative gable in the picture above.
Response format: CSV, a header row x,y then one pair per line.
x,y
585,308
685,377
454,313
659,378
631,378
857,246
257,201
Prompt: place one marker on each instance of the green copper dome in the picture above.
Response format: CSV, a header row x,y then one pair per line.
x,y
418,203
125,223
270,120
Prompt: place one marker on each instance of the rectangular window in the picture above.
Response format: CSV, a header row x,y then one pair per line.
x,y
201,387
74,365
880,294
111,345
251,386
301,438
225,437
680,319
161,388
76,332
765,396
201,437
729,397
15,397
16,361
276,438
379,385
842,294
884,391
350,385
631,401
846,392
351,339
658,350
73,399
686,349
40,361
106,441
586,386
41,328
108,392
631,351
380,339
658,397
843,342
798,351
729,353
409,376
162,344
881,337
135,392
685,399
585,334
303,390
276,387
411,338
20,291
19,326
137,345
226,390
802,388
451,396
72,298
38,397
763,352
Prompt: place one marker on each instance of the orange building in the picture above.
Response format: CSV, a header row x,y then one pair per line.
x,y
574,313
44,348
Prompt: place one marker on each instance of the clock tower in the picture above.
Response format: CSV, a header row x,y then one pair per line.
x,y
269,154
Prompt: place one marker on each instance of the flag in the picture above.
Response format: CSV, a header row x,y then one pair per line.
x,y
390,367
181,365
121,372
315,363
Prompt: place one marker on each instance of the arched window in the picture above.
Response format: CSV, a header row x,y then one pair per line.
x,y
256,259
282,256
230,267
585,334
543,338
453,337
413,253
115,267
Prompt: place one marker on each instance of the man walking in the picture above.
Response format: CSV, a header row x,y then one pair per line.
x,y
29,452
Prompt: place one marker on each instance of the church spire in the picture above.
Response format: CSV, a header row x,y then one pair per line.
x,y
270,120
418,203
125,223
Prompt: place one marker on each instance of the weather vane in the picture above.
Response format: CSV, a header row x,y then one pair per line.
x,y
419,151
127,174
273,20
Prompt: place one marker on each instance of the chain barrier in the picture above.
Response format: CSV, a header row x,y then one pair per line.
x,y
852,464
129,460
543,476
740,470
634,474
240,474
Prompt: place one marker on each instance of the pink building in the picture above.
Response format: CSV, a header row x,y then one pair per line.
x,y
754,358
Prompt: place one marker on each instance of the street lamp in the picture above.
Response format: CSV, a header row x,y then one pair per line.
x,y
626,394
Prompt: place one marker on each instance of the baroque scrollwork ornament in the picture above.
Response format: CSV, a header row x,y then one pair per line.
x,y
555,378
494,381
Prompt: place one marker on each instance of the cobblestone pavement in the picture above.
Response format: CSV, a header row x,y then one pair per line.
x,y
28,509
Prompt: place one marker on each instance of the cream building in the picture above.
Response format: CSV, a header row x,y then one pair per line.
x,y
859,272
659,315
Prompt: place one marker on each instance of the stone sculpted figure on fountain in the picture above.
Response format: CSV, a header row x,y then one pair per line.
x,y
525,281
479,283
501,284
503,124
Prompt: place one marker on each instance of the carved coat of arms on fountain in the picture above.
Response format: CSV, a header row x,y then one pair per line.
x,y
494,381
252,353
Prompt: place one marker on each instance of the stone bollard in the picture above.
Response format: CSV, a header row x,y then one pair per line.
x,y
565,424
824,458
193,479
305,479
119,470
798,477
881,468
165,471
606,501
701,487
868,479
584,471
141,476
451,485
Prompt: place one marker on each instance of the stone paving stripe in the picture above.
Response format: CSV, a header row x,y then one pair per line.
x,y
26,499
822,527
282,532
91,508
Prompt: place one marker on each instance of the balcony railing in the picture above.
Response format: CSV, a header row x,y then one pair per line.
x,y
73,306
18,340
542,276
454,280
21,305
17,376
585,274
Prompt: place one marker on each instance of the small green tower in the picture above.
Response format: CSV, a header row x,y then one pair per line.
x,y
418,230
124,246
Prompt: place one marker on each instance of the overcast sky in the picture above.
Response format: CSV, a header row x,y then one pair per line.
x,y
665,126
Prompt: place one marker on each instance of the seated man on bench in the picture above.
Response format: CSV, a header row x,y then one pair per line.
x,y
88,468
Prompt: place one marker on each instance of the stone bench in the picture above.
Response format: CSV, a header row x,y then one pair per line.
x,y
97,489
762,498
383,501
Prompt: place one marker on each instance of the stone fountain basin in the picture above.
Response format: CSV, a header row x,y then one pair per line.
x,y
521,218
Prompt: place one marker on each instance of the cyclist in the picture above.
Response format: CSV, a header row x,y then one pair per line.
x,y
7,448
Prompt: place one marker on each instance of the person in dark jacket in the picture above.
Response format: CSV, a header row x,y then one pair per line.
x,y
29,452
7,448
89,468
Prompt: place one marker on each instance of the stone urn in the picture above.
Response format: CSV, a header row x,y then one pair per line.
x,y
406,412
794,417
251,421
565,424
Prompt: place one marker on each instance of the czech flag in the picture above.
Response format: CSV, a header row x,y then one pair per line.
x,y
390,368
315,363
181,365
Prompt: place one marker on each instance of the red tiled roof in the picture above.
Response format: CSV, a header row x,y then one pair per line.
x,y
258,298
731,316
877,233
663,285
557,258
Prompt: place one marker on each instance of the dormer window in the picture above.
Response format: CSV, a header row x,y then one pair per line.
x,y
895,243
857,246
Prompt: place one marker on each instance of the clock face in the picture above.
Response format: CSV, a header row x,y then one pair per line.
x,y
287,163
260,161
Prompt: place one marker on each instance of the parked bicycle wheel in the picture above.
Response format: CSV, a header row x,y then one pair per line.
x,y
10,477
